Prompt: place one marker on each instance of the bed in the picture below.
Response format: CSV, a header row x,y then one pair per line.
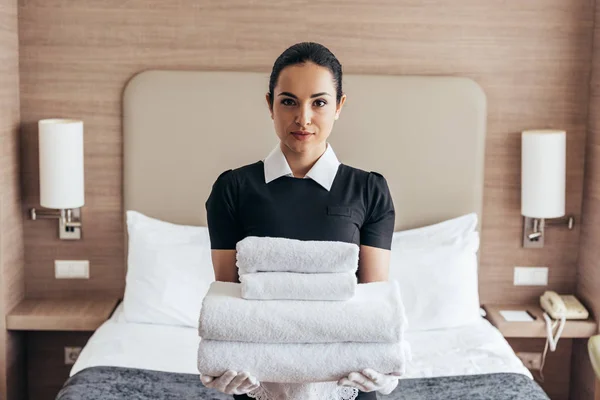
x,y
145,361
426,135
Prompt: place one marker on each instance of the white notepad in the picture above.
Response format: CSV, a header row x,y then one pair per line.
x,y
516,315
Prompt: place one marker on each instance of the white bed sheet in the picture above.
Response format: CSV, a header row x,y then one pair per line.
x,y
476,349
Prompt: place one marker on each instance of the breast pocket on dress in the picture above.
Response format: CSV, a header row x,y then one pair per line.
x,y
341,211
340,224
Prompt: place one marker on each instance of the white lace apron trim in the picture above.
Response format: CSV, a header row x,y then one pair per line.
x,y
303,391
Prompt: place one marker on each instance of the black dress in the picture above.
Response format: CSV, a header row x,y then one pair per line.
x,y
358,209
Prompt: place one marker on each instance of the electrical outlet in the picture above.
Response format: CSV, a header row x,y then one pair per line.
x,y
71,354
71,269
531,276
533,361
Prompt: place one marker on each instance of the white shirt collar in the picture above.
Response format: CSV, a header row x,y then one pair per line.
x,y
323,172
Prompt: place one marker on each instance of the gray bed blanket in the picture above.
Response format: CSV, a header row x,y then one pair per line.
x,y
116,383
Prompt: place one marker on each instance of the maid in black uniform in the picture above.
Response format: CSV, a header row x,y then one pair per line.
x,y
301,191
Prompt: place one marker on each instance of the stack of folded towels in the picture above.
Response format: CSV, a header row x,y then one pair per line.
x,y
299,315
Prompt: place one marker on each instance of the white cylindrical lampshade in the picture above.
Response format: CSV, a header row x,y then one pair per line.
x,y
543,173
61,163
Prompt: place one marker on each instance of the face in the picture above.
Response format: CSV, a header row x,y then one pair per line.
x,y
304,107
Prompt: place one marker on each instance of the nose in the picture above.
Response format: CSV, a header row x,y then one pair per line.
x,y
304,116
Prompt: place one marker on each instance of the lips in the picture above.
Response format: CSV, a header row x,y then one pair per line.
x,y
301,135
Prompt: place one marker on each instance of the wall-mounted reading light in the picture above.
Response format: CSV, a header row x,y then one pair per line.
x,y
543,175
61,174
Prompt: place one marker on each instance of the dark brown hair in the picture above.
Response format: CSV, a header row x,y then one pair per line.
x,y
307,52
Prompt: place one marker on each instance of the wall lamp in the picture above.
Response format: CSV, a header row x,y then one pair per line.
x,y
543,175
61,175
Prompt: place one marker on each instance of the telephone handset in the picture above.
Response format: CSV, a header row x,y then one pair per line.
x,y
558,306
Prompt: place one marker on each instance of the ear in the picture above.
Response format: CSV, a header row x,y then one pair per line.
x,y
339,106
269,104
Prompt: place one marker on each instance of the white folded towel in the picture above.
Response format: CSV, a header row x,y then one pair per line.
x,y
296,286
298,363
375,314
276,254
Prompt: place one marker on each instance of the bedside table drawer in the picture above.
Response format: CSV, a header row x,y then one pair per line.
x,y
46,368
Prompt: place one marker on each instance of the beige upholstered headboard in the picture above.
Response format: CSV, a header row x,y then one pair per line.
x,y
426,135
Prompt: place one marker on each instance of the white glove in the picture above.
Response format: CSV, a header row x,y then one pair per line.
x,y
231,382
369,381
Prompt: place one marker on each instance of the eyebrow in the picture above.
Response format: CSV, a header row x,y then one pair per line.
x,y
296,97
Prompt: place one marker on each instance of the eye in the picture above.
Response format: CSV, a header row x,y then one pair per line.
x,y
288,102
320,103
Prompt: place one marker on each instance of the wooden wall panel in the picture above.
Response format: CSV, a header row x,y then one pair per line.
x,y
588,274
532,59
584,385
12,286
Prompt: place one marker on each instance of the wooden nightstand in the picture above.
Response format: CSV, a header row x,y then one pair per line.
x,y
537,328
52,328
527,339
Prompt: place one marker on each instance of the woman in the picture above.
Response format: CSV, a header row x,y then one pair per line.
x,y
301,191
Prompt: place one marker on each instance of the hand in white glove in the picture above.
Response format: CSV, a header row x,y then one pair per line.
x,y
231,382
369,381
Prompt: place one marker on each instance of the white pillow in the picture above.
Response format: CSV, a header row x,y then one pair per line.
x,y
436,268
169,270
441,233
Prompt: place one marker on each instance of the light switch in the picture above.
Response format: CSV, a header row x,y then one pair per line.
x,y
531,276
71,269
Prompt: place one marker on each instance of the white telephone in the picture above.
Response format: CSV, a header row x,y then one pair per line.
x,y
556,306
